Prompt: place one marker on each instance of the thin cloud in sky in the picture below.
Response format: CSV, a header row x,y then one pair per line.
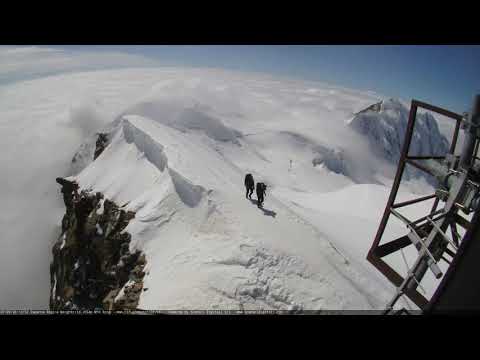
x,y
21,63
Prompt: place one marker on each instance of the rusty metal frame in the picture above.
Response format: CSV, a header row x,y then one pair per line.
x,y
377,252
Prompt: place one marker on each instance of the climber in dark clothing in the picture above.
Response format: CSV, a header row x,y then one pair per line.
x,y
261,192
249,185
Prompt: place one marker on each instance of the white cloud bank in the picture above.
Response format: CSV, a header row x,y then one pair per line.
x,y
20,63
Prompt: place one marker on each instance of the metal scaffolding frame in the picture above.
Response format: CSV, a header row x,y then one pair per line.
x,y
424,227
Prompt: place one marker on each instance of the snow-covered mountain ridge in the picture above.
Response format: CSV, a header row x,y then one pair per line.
x,y
177,144
179,168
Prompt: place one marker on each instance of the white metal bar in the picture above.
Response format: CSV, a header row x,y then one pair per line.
x,y
435,225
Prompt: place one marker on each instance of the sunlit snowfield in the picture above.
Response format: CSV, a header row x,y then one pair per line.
x,y
184,139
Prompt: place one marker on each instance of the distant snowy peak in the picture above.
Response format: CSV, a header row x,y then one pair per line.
x,y
384,125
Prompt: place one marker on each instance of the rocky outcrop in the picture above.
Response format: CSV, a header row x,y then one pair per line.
x,y
89,151
93,267
374,107
100,145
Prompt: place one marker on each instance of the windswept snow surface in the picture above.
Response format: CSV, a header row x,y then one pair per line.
x,y
182,141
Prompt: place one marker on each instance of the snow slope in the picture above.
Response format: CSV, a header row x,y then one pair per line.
x,y
208,246
182,141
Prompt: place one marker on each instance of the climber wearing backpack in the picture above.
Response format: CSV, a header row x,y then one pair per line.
x,y
249,185
261,192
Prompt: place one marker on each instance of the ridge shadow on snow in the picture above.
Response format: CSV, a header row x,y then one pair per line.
x,y
189,193
153,151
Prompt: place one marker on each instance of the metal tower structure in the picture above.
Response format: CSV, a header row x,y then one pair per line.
x,y
436,235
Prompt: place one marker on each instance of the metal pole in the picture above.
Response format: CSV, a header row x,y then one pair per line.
x,y
471,135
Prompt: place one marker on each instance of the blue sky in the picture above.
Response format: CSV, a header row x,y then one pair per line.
x,y
447,76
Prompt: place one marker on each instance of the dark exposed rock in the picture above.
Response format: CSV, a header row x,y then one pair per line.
x,y
90,150
92,263
69,191
374,107
101,144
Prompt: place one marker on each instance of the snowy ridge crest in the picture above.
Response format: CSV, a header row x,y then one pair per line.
x,y
189,193
185,117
